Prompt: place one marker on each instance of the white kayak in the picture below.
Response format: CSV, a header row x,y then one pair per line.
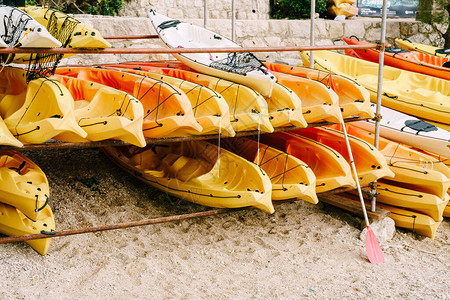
x,y
18,29
243,68
409,130
3,44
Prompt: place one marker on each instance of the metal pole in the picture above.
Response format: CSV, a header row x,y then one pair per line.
x,y
313,13
233,20
380,87
205,13
178,50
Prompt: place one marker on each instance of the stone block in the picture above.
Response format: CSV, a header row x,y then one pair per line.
x,y
372,35
354,28
175,13
321,29
425,28
408,29
393,29
384,230
214,14
335,29
241,15
299,28
278,26
273,41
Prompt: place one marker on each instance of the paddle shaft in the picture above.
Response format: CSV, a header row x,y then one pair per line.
x,y
352,163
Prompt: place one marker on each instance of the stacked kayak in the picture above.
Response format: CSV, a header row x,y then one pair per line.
x,y
412,168
103,112
403,59
242,68
319,103
427,49
283,106
199,172
411,93
248,109
81,35
24,195
354,100
167,110
330,167
290,177
409,130
370,163
209,108
36,111
417,195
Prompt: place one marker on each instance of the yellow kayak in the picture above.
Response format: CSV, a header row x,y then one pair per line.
x,y
424,203
104,112
447,211
210,109
411,46
330,167
290,177
199,172
414,221
23,184
83,36
413,169
37,111
354,100
15,223
6,137
285,107
319,102
167,108
248,109
415,94
370,163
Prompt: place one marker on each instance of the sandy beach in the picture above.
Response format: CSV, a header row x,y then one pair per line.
x,y
301,251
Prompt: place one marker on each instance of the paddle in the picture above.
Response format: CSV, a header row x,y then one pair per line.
x,y
373,250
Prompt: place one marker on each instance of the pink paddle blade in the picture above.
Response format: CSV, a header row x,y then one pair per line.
x,y
373,249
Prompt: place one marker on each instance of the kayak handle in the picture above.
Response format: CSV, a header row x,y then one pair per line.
x,y
51,232
45,204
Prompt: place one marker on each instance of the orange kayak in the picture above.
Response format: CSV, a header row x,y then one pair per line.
x,y
330,167
406,60
412,169
168,112
284,106
354,99
370,164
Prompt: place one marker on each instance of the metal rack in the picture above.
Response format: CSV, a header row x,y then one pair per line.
x,y
62,145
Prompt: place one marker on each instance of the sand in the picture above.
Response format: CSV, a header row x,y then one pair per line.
x,y
301,251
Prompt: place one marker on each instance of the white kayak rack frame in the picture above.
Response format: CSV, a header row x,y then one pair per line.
x,y
312,48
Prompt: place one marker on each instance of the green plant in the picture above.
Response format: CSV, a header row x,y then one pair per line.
x,y
105,7
295,9
94,7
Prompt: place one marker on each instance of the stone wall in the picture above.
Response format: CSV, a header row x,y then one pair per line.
x,y
258,33
194,9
